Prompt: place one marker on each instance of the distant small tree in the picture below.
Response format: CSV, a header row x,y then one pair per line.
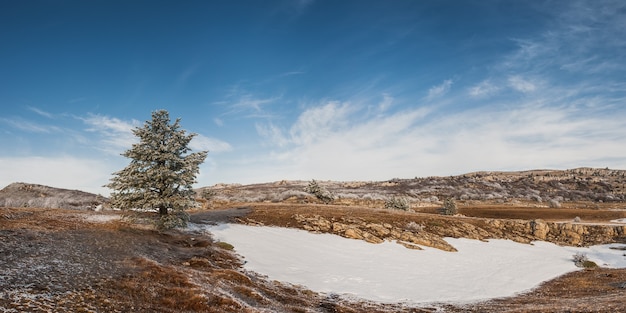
x,y
319,192
449,207
398,203
161,172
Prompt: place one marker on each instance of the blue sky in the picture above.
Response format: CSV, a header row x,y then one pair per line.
x,y
311,89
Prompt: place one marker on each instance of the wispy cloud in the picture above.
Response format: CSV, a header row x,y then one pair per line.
x,y
292,73
319,122
41,112
203,143
29,126
238,101
386,103
483,89
520,84
585,37
186,74
116,135
248,102
439,90
406,144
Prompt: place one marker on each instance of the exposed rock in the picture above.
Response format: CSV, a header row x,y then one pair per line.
x,y
517,230
539,229
353,233
409,245
378,229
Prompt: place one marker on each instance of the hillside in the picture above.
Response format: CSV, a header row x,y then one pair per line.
x,y
23,195
539,188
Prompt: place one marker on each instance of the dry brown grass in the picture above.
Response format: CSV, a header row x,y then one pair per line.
x,y
567,213
158,287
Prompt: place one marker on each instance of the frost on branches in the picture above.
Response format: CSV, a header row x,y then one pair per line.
x,y
161,172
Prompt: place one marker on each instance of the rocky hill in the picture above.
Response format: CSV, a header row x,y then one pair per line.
x,y
536,187
20,195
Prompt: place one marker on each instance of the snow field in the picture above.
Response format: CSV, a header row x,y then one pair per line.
x,y
391,273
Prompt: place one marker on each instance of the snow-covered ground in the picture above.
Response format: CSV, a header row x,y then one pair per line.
x,y
389,272
621,220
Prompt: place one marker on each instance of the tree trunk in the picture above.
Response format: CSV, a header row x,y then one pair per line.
x,y
163,210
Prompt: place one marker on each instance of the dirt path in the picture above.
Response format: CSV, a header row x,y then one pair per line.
x,y
220,216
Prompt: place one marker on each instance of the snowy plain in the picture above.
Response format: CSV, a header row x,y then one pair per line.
x,y
391,273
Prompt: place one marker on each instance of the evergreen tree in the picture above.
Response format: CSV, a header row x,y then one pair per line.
x,y
449,207
161,171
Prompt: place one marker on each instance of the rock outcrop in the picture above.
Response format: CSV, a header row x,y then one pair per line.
x,y
432,232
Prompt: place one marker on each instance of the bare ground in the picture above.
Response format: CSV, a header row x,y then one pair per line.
x,y
76,261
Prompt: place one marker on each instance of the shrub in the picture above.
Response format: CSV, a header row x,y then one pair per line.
x,y
581,260
320,192
554,204
208,194
224,245
415,227
449,207
398,203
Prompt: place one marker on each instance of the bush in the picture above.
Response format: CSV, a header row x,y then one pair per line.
x,y
581,260
398,203
224,245
554,204
415,227
208,194
320,192
449,207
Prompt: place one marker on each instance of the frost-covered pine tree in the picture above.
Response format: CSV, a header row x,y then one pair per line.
x,y
161,171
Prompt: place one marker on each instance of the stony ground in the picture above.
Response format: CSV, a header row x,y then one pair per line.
x,y
79,261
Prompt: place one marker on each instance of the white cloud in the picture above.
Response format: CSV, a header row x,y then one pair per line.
x,y
439,90
522,85
202,143
117,135
537,133
318,122
273,133
28,126
386,103
248,102
483,89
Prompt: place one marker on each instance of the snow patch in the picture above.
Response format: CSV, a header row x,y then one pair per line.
x,y
390,273
621,220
